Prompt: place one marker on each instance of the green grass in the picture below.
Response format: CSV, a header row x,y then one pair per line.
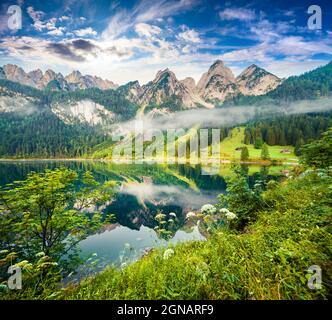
x,y
235,140
227,149
268,261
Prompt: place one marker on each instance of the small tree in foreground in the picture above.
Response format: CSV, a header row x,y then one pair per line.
x,y
318,154
45,213
265,155
244,153
240,199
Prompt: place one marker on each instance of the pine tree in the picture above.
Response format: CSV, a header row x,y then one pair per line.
x,y
244,154
258,143
247,136
270,137
265,155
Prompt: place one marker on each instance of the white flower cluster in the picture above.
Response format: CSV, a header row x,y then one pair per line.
x,y
190,215
168,253
208,209
228,215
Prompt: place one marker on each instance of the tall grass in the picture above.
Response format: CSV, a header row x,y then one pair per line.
x,y
270,260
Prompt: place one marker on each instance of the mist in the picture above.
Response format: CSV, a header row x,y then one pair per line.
x,y
20,105
221,117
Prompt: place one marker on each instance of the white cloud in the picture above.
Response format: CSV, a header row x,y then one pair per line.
x,y
292,47
147,30
64,18
242,14
57,32
35,15
145,11
39,24
85,32
189,36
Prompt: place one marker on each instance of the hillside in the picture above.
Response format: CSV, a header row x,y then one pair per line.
x,y
92,111
236,140
310,85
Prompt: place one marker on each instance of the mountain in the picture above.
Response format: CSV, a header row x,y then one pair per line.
x,y
165,86
218,83
168,93
256,81
2,74
310,85
165,93
17,74
190,84
77,81
131,91
54,81
59,122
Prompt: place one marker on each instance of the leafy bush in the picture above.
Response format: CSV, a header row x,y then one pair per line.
x,y
46,214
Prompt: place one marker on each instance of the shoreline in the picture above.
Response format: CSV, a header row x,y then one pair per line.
x,y
125,161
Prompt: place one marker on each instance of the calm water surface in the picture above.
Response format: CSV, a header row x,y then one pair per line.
x,y
144,191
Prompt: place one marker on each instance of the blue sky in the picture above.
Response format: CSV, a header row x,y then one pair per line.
x,y
133,39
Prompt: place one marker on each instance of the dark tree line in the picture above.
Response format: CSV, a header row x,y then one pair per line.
x,y
294,130
44,135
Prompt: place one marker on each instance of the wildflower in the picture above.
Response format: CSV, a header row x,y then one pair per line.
x,y
230,216
172,214
168,253
170,220
208,209
160,216
190,215
223,210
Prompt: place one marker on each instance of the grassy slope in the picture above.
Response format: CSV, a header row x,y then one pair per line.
x,y
227,149
235,140
269,261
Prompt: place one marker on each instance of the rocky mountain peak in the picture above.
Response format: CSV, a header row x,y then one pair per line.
x,y
131,90
252,70
218,68
74,76
217,83
35,75
17,74
256,81
164,74
189,83
215,86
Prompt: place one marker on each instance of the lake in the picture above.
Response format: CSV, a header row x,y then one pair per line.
x,y
145,190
